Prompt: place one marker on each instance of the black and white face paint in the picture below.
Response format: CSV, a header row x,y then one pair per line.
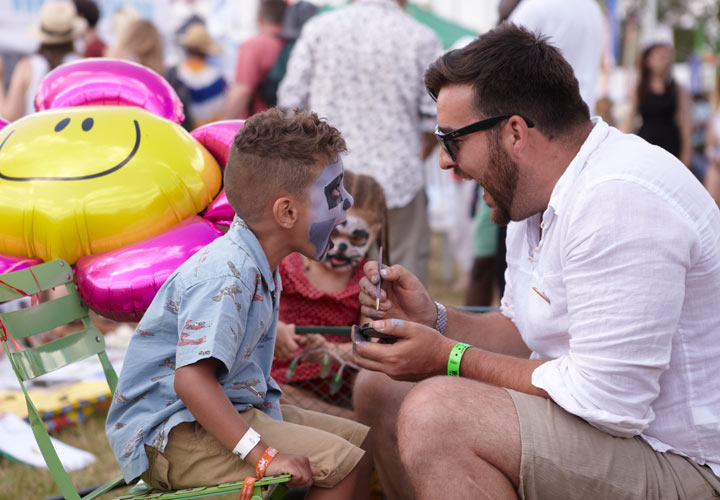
x,y
351,240
329,203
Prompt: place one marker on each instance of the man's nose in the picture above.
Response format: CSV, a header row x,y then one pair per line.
x,y
444,160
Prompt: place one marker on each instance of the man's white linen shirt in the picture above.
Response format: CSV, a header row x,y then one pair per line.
x,y
622,294
362,68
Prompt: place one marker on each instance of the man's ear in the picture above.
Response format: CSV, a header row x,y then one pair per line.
x,y
516,134
285,212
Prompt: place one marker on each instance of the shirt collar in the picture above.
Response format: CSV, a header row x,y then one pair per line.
x,y
241,234
566,181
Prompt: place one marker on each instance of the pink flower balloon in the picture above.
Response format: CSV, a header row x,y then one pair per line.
x,y
10,263
217,138
121,283
104,81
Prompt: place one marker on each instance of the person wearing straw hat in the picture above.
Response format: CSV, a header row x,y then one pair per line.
x,y
205,84
56,31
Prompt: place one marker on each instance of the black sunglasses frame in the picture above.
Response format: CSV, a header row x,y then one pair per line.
x,y
445,138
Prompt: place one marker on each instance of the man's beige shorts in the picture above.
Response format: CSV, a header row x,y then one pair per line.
x,y
563,457
193,457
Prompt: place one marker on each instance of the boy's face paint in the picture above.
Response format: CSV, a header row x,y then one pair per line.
x,y
351,240
329,203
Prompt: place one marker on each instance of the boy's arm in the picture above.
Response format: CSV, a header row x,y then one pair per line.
x,y
197,385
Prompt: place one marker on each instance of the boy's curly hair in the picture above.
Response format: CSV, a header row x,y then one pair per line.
x,y
277,153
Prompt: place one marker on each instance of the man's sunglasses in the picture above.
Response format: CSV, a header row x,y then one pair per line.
x,y
446,139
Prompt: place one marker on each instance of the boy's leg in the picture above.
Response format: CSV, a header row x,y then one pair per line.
x,y
193,457
356,484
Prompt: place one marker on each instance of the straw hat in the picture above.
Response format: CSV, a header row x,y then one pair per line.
x,y
59,23
197,38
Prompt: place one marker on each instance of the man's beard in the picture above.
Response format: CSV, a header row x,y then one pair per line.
x,y
500,182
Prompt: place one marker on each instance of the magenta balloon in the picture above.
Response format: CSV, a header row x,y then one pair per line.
x,y
220,211
10,263
104,81
2,123
121,283
217,137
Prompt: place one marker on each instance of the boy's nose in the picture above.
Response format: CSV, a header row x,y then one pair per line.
x,y
342,247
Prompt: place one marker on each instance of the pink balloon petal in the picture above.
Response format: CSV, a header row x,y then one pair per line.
x,y
220,211
104,81
10,263
217,137
121,283
2,123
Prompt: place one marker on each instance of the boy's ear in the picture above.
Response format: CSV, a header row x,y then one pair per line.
x,y
285,212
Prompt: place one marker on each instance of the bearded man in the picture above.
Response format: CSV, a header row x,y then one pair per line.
x,y
598,377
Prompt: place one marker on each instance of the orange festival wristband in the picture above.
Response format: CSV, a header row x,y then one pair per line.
x,y
260,468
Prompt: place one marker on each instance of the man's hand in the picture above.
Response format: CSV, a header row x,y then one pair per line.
x,y
296,465
420,352
403,296
286,341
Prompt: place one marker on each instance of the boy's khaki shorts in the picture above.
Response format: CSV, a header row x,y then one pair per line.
x,y
193,457
565,457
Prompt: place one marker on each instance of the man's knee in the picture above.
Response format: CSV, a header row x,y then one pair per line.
x,y
377,397
424,408
439,403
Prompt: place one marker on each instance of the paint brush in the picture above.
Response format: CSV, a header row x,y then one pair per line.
x,y
377,290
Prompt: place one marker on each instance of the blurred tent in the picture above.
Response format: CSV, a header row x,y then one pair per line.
x,y
448,31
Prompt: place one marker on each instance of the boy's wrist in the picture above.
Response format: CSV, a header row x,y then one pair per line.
x,y
256,452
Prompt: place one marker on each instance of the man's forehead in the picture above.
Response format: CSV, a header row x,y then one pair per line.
x,y
455,106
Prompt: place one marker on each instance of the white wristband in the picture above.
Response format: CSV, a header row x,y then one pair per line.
x,y
246,443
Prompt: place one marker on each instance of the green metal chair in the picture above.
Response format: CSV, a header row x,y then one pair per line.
x,y
31,362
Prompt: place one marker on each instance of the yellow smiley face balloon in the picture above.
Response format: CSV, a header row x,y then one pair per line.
x,y
81,180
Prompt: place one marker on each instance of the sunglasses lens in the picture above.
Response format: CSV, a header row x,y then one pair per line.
x,y
446,146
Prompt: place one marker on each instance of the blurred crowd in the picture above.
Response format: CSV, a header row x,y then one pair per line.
x,y
365,75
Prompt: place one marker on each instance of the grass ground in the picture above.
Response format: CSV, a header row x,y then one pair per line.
x,y
22,482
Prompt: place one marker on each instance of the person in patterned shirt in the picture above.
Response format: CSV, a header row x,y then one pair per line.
x,y
195,403
362,67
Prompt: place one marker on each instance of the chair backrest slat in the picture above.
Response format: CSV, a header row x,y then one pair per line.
x,y
46,316
35,361
49,275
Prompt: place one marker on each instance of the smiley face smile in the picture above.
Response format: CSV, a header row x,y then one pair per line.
x,y
87,125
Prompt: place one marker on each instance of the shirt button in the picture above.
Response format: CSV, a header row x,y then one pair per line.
x,y
542,225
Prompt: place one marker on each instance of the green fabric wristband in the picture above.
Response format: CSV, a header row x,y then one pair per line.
x,y
456,355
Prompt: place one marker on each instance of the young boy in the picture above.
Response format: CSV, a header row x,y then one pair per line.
x,y
195,404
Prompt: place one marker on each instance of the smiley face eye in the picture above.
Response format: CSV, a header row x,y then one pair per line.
x,y
62,124
87,124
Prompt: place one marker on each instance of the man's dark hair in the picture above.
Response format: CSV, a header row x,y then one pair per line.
x,y
89,10
514,71
277,153
272,11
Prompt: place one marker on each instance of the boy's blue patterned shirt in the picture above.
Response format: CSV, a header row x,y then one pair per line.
x,y
221,303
